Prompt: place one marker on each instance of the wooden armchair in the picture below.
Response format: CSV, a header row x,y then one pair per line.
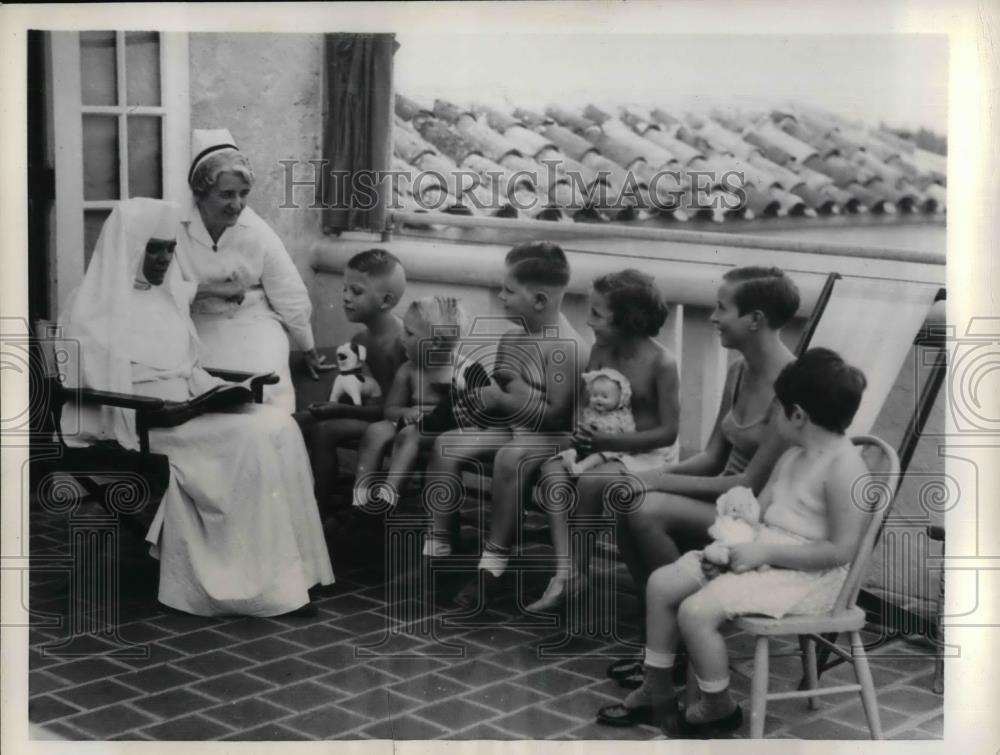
x,y
147,474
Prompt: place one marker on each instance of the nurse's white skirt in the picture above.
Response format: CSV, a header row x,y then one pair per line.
x,y
250,339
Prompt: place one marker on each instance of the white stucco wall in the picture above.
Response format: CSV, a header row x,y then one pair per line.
x,y
267,90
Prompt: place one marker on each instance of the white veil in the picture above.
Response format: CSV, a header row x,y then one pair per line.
x,y
99,316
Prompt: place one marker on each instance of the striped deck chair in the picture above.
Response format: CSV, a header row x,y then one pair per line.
x,y
872,324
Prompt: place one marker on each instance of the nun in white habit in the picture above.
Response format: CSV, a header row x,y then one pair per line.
x,y
237,531
251,299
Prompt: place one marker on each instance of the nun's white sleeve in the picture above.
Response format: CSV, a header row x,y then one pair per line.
x,y
284,288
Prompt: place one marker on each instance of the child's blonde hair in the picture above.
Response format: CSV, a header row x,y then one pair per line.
x,y
443,316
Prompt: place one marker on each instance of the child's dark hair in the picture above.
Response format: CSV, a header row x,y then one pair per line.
x,y
767,289
539,263
637,308
824,386
374,262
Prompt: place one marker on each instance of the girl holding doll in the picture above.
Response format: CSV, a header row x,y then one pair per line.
x,y
626,311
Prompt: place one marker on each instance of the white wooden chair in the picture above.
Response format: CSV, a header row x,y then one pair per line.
x,y
875,493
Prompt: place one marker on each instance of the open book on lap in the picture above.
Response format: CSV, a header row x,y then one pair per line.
x,y
220,398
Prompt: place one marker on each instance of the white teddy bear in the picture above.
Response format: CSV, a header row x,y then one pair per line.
x,y
735,522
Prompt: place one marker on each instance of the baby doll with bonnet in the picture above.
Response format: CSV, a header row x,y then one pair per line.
x,y
608,411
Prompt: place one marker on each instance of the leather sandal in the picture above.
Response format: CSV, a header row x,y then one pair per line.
x,y
620,715
630,675
557,594
633,681
624,668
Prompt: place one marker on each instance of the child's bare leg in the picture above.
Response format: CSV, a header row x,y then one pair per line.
x,y
405,455
555,494
666,590
699,618
325,437
371,452
450,451
629,552
514,467
588,498
661,518
514,473
592,487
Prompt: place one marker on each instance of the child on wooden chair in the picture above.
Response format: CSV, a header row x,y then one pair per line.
x,y
810,530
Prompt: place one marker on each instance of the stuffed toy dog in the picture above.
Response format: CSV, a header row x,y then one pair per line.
x,y
737,514
353,379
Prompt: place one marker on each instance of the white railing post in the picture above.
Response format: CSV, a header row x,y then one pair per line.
x,y
678,334
713,377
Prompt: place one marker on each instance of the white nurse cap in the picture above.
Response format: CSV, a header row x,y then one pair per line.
x,y
208,141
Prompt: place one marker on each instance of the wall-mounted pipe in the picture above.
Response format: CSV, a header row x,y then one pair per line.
x,y
585,231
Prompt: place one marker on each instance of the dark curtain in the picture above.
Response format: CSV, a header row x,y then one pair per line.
x,y
41,180
357,138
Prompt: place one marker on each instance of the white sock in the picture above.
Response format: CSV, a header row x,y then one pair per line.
x,y
388,494
712,687
360,497
435,546
659,660
495,563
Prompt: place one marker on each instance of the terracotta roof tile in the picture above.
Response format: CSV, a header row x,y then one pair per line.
x,y
447,141
570,119
407,109
797,162
683,152
492,144
496,119
574,145
531,143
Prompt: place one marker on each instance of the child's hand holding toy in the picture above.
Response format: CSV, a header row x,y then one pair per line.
x,y
738,514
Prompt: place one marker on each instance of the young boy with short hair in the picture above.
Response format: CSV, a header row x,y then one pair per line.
x,y
530,403
810,530
374,282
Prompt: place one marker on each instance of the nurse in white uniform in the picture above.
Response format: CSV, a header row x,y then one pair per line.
x,y
251,300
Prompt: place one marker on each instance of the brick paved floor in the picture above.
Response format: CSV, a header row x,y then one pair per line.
x,y
373,665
